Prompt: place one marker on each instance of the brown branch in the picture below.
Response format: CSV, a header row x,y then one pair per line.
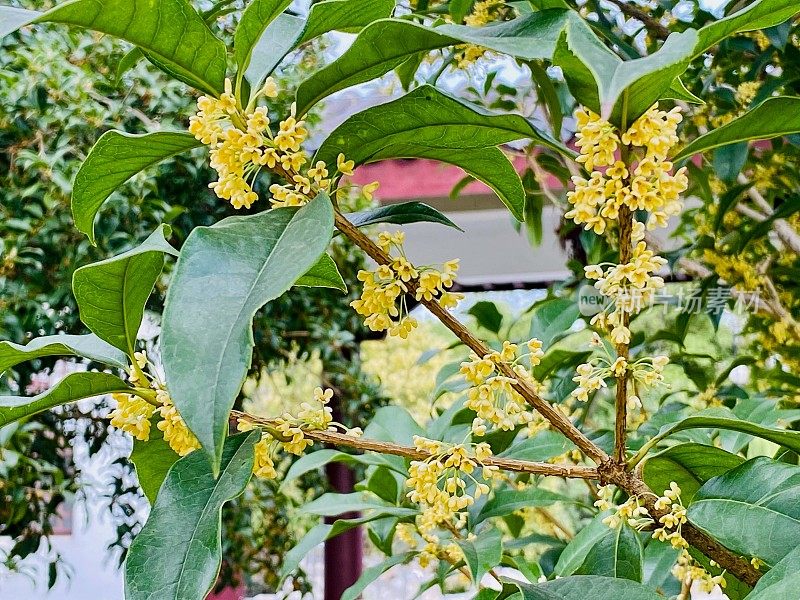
x,y
547,410
608,470
656,29
621,396
368,445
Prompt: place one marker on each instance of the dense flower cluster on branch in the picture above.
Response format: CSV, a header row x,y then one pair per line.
x,y
492,395
383,299
134,412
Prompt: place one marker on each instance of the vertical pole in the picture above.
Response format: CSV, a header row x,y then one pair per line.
x,y
342,553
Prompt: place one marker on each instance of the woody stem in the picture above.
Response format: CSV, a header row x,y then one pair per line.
x,y
623,350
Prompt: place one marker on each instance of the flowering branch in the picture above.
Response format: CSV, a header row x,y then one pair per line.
x,y
367,445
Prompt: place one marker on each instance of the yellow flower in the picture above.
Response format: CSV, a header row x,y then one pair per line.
x,y
176,433
345,167
132,415
270,88
369,189
263,465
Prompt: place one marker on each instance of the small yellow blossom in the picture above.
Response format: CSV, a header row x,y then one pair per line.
x,y
132,415
176,433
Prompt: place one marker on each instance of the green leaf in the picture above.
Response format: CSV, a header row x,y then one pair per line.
x,y
324,273
553,317
152,460
612,86
320,458
344,15
581,587
254,20
86,346
115,158
482,553
332,505
225,273
678,91
789,439
111,294
376,51
372,573
781,581
172,34
487,315
753,509
393,424
543,446
728,161
315,536
772,118
280,38
401,214
575,553
287,32
425,123
178,553
507,501
619,554
689,465
75,386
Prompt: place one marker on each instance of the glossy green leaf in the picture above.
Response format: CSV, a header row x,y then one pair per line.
x,y
225,273
86,346
401,214
689,465
552,317
482,553
582,587
315,460
315,536
115,158
543,446
612,86
772,118
178,553
324,273
75,386
172,34
280,38
332,505
287,32
429,118
783,437
254,20
375,51
619,554
487,315
425,123
753,509
372,573
575,553
152,460
111,294
505,502
781,581
344,15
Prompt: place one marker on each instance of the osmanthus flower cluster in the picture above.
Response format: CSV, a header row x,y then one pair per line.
x,y
444,485
383,299
288,432
634,514
492,395
134,412
629,173
592,375
242,143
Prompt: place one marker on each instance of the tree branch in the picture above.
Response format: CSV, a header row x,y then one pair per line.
x,y
609,471
368,445
656,29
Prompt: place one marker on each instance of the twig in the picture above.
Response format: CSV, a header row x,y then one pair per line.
x,y
786,233
609,471
656,29
369,445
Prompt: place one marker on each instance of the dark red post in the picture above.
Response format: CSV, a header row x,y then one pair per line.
x,y
342,553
